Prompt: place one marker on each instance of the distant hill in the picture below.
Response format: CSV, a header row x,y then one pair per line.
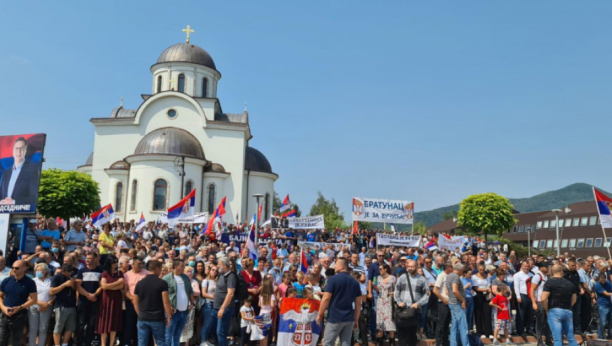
x,y
579,192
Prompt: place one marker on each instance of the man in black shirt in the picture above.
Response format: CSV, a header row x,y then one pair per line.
x,y
14,293
571,274
63,287
558,296
152,304
88,286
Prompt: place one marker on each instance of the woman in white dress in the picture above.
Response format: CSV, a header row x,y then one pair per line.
x,y
40,314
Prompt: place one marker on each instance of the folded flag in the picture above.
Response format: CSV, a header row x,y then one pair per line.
x,y
260,329
184,208
431,246
102,216
604,204
285,205
219,212
290,213
304,263
297,325
141,223
250,243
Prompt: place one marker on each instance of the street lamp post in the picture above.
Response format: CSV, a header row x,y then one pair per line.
x,y
257,197
557,211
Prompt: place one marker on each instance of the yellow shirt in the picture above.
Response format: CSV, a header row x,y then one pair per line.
x,y
108,240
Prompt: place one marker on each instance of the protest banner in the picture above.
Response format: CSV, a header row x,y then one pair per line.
x,y
197,218
308,222
240,238
297,325
398,240
382,210
313,245
451,244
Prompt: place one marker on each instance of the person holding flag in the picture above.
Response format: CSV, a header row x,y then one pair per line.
x,y
184,208
285,205
215,217
142,223
102,216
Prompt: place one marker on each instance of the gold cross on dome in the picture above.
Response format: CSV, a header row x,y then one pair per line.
x,y
188,30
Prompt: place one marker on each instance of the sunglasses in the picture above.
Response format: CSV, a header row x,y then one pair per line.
x,y
16,268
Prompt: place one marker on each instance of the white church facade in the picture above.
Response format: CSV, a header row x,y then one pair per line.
x,y
139,153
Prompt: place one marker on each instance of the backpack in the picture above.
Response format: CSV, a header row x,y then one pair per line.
x,y
528,282
242,292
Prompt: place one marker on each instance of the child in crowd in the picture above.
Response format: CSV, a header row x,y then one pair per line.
x,y
314,286
291,292
299,284
282,288
267,303
248,316
308,293
500,302
466,280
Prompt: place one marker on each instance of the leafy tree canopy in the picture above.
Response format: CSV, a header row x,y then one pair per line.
x,y
67,194
331,212
419,228
486,213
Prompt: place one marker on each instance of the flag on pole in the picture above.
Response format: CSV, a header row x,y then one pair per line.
x,y
392,228
217,215
141,223
250,243
102,216
290,213
252,222
285,205
182,209
259,215
355,228
604,204
304,263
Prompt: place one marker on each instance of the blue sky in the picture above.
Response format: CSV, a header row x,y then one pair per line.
x,y
424,101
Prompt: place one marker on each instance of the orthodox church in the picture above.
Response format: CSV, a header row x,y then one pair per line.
x,y
179,139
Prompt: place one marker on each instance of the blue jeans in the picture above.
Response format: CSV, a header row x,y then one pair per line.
x,y
223,324
156,328
175,329
210,322
424,317
561,322
458,325
469,312
604,316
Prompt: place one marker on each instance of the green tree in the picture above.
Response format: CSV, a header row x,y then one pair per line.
x,y
487,213
277,204
67,194
329,209
449,215
419,228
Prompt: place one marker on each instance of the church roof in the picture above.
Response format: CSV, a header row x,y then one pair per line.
x,y
215,168
120,165
121,112
89,161
187,52
170,141
256,161
240,118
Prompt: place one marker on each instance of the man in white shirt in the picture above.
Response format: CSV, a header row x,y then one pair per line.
x,y
181,299
537,286
525,307
444,316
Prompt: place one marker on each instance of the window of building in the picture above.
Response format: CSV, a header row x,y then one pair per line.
x,y
204,88
514,229
211,198
181,83
608,241
549,243
539,224
521,229
533,228
598,242
589,242
188,187
134,194
568,223
171,113
542,244
118,196
553,223
546,223
564,243
580,243
556,243
159,83
160,192
584,221
576,222
593,221
535,243
527,228
572,243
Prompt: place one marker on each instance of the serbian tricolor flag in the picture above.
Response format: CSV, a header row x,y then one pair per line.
x,y
259,214
290,213
217,215
297,324
184,208
604,204
431,246
285,205
304,263
250,243
141,223
355,228
102,216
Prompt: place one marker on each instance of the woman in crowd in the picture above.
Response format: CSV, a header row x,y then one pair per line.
x,y
267,304
384,303
500,279
110,309
39,314
482,310
199,276
253,281
208,292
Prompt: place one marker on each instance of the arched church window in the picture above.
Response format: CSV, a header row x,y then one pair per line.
x,y
204,86
118,194
133,197
267,207
211,198
188,187
160,192
181,83
159,83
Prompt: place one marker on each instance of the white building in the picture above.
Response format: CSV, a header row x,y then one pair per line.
x,y
138,152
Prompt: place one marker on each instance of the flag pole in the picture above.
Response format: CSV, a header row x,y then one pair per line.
x,y
603,230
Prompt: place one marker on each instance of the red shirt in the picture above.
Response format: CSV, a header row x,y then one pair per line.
x,y
252,281
502,311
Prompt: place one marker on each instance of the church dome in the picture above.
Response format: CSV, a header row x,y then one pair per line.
x,y
215,168
256,161
120,165
89,161
170,141
187,52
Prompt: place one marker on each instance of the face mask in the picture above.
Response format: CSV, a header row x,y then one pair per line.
x,y
40,275
191,263
54,250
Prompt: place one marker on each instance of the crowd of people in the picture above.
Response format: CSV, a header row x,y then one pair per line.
x,y
175,286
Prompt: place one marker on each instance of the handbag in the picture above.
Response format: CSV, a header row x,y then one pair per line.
x,y
407,315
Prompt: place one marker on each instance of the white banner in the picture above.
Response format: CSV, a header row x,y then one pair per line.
x,y
398,240
308,222
197,218
450,244
382,210
312,245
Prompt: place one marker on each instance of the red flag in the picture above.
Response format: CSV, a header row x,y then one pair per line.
x,y
217,214
355,228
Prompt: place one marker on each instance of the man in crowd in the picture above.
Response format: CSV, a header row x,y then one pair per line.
x,y
223,302
537,286
457,305
525,308
403,296
130,318
63,287
558,297
356,267
444,318
75,237
180,293
343,298
88,286
17,294
5,271
152,304
571,274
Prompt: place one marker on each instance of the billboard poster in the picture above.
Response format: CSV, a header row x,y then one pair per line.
x,y
21,159
382,210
